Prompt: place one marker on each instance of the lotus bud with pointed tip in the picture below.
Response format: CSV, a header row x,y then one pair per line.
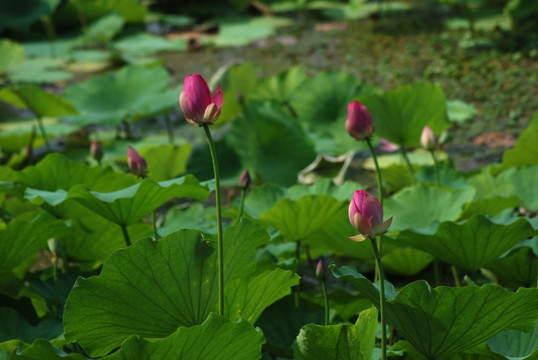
x,y
197,103
96,151
137,164
320,269
359,122
244,181
427,139
366,215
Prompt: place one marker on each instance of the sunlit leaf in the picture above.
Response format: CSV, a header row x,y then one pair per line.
x,y
524,153
40,70
525,180
216,338
11,52
165,162
42,103
516,344
470,244
342,342
459,111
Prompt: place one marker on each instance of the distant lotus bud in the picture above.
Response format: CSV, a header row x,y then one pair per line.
x,y
197,103
137,164
244,181
427,139
96,151
320,270
386,145
366,215
29,151
359,122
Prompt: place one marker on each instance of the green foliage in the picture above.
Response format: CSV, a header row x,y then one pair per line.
x,y
38,101
524,153
12,53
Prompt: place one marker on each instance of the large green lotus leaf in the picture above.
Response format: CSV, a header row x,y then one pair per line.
x,y
524,153
40,70
405,261
95,238
41,102
296,219
238,83
44,350
400,115
519,268
166,161
21,14
216,338
516,344
242,31
459,111
264,136
282,86
470,244
125,95
321,105
15,326
448,320
152,287
147,44
421,207
525,180
263,198
12,53
325,186
342,342
196,217
23,237
104,29
131,204
247,297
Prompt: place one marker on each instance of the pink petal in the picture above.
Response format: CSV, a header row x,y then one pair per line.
x,y
218,97
195,97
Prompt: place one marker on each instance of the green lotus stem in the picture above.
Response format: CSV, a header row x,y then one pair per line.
x,y
169,129
456,276
241,205
381,300
56,284
220,247
154,222
436,167
297,292
378,172
51,34
43,132
326,301
408,162
125,234
436,275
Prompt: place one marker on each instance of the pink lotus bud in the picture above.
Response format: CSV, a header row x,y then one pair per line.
x,y
137,164
359,121
366,215
386,145
197,103
96,151
427,139
244,181
320,269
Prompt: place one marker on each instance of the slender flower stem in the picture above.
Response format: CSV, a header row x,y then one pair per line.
x,y
125,234
297,292
154,222
456,276
43,132
378,172
326,299
241,205
220,247
409,166
381,300
169,128
436,167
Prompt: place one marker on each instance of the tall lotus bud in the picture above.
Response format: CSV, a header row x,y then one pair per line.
x,y
137,164
320,270
244,181
96,151
427,139
359,122
197,103
366,215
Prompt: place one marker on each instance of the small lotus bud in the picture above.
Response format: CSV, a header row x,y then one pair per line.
x,y
359,122
137,164
96,151
427,139
320,270
244,181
